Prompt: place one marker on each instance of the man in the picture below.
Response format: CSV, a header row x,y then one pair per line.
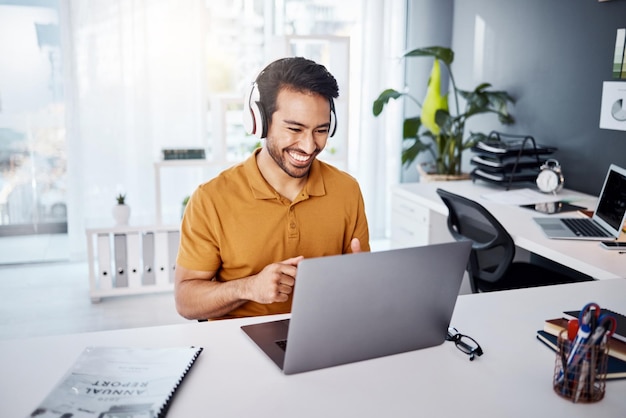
x,y
244,232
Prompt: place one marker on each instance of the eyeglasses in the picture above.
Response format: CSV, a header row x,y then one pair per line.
x,y
466,344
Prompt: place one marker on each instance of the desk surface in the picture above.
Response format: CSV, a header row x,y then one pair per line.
x,y
233,378
584,256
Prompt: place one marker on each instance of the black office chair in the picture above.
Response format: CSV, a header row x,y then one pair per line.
x,y
491,265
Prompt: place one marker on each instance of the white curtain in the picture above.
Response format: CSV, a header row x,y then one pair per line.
x,y
135,81
376,151
135,84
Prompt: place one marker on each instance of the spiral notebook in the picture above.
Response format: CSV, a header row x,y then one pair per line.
x,y
120,381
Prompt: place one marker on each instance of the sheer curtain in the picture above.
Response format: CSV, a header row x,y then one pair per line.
x,y
376,150
135,72
391,28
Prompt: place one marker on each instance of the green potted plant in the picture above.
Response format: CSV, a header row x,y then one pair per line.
x,y
438,130
121,211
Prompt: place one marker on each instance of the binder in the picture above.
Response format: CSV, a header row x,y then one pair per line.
x,y
173,238
121,270
147,248
161,259
133,252
105,276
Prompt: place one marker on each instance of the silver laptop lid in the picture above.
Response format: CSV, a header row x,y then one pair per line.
x,y
610,211
355,307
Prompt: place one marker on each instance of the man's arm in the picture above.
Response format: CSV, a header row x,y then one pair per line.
x,y
199,296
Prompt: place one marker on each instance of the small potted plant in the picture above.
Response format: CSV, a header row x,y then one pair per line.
x,y
121,211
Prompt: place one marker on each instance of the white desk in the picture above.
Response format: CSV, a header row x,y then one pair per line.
x,y
584,256
233,378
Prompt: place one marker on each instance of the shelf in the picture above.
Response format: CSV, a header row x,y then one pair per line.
x,y
130,260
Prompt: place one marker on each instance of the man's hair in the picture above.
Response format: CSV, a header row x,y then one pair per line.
x,y
296,73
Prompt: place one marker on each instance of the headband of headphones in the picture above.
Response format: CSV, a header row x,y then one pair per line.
x,y
255,120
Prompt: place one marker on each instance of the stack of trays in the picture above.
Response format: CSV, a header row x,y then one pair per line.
x,y
506,162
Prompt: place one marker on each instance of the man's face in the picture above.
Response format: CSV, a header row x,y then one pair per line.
x,y
298,131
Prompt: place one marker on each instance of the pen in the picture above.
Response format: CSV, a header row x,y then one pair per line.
x,y
621,252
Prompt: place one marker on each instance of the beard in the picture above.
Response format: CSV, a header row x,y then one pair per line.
x,y
285,162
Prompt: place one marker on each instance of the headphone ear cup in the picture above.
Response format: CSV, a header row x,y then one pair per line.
x,y
248,116
260,123
333,119
254,120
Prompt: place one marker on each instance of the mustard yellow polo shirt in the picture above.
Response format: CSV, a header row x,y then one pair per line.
x,y
236,224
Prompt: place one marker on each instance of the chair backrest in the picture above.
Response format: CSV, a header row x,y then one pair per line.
x,y
493,248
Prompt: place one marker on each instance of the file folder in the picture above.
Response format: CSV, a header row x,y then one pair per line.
x,y
133,253
148,277
121,270
173,238
105,276
161,259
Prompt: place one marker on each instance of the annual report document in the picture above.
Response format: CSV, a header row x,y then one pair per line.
x,y
119,382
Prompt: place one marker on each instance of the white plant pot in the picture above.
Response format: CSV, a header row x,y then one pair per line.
x,y
121,214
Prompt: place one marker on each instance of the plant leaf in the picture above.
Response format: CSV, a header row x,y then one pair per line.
x,y
433,100
411,127
383,98
444,54
482,101
443,119
410,153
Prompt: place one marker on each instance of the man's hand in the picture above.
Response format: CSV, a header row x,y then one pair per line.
x,y
275,282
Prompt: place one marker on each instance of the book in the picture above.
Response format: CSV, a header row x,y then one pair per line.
x,y
620,332
120,381
617,348
615,368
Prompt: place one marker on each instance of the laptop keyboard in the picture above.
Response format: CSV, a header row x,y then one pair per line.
x,y
584,228
282,344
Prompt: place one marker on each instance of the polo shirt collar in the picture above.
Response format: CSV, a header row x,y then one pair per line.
x,y
262,190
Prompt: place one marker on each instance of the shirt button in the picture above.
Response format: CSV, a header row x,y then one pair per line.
x,y
292,225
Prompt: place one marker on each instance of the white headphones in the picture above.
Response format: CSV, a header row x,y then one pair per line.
x,y
255,119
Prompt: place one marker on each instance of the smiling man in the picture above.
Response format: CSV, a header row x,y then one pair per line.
x,y
245,231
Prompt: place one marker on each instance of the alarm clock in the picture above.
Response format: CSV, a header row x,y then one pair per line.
x,y
550,178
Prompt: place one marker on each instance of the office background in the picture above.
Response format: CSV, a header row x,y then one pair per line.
x,y
553,56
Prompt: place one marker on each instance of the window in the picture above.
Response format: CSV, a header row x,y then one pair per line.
x,y
32,123
142,76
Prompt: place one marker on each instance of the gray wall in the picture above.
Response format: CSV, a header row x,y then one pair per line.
x,y
552,56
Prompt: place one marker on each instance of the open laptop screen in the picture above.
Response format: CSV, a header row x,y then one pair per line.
x,y
612,204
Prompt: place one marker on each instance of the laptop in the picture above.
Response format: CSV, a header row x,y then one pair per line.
x,y
354,307
608,217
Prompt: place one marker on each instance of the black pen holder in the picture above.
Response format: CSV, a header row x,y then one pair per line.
x,y
585,380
